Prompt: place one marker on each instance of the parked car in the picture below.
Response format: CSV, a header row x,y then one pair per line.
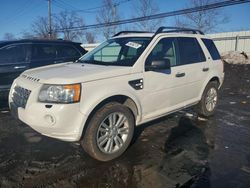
x,y
20,55
130,79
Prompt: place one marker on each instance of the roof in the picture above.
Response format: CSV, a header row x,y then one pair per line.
x,y
36,41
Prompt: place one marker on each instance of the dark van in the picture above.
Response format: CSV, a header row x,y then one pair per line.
x,y
20,55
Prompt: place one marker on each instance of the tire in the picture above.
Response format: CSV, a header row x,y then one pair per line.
x,y
105,138
209,99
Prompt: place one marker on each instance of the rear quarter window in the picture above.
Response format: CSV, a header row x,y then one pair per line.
x,y
190,51
67,51
211,48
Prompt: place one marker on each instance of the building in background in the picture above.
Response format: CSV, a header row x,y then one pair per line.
x,y
232,41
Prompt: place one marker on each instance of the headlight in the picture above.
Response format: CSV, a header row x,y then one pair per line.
x,y
60,93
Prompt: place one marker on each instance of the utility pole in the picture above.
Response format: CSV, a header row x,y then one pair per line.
x,y
113,17
49,19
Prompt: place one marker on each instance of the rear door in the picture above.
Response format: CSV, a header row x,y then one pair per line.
x,y
194,66
43,54
14,59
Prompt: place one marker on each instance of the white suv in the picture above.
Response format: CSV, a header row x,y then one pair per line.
x,y
130,79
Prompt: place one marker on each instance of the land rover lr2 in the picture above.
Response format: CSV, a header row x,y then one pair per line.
x,y
130,79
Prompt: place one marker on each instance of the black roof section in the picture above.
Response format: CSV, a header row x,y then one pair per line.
x,y
37,41
165,30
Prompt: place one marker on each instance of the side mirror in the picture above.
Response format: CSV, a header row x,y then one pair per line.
x,y
158,65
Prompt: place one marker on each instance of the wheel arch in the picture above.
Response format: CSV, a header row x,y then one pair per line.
x,y
120,98
215,79
210,79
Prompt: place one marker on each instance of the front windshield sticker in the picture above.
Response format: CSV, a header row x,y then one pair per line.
x,y
133,45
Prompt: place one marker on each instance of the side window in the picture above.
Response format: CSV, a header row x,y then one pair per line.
x,y
190,51
13,54
211,48
165,49
66,51
43,52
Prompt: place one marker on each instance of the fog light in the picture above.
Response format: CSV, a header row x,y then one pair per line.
x,y
50,119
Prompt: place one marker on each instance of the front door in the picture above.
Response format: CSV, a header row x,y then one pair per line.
x,y
163,89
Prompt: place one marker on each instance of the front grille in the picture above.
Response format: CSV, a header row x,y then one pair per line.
x,y
20,96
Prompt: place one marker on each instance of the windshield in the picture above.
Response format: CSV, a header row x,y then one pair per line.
x,y
117,52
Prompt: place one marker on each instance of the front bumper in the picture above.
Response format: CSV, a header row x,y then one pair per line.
x,y
60,121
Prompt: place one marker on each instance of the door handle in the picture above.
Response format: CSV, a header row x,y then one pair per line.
x,y
178,75
205,69
19,67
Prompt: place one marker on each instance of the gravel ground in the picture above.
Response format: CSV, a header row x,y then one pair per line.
x,y
181,150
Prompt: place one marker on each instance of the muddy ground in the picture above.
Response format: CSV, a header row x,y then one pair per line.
x,y
180,150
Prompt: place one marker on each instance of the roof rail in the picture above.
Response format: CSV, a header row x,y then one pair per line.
x,y
127,32
177,29
161,30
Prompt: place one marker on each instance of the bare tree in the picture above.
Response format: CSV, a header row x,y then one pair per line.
x,y
109,13
67,20
40,28
205,20
64,20
90,37
146,8
8,36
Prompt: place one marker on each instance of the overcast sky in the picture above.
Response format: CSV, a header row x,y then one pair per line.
x,y
17,15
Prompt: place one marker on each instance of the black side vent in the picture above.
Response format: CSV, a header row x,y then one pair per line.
x,y
136,84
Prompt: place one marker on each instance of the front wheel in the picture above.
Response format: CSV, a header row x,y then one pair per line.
x,y
109,132
209,100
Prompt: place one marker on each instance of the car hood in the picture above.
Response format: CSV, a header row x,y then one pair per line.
x,y
68,73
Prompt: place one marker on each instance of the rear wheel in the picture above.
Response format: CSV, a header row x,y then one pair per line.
x,y
109,132
209,100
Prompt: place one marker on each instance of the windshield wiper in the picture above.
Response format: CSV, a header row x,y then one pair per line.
x,y
94,62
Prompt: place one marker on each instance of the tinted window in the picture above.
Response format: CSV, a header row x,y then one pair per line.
x,y
13,54
211,48
165,49
43,51
190,51
66,51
